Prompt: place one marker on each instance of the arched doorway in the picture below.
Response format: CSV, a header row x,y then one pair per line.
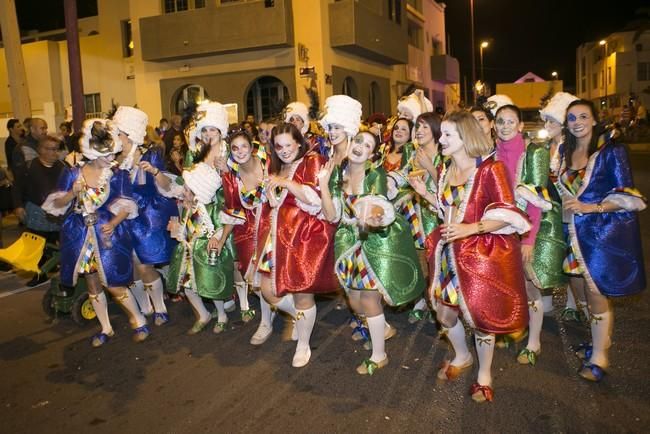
x,y
186,95
266,97
374,98
349,87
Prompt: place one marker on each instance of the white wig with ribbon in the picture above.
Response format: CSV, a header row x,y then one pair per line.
x,y
557,106
203,180
342,110
98,139
299,109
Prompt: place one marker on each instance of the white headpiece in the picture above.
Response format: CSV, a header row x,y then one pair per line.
x,y
203,180
495,102
132,122
556,107
298,109
414,104
104,139
344,111
211,114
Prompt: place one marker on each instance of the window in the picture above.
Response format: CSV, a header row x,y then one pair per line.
x,y
93,104
415,34
349,87
266,97
609,75
583,84
602,79
127,38
594,80
171,6
184,96
395,11
375,98
643,71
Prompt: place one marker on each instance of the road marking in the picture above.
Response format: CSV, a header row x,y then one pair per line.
x,y
17,291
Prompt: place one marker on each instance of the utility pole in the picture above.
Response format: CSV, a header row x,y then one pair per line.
x,y
18,88
471,11
74,63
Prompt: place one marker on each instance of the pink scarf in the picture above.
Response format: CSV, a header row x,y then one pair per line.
x,y
509,151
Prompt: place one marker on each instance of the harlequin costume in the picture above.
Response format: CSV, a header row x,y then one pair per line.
x,y
604,247
192,269
151,241
84,249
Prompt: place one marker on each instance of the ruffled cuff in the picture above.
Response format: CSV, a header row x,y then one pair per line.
x,y
629,199
175,189
393,184
49,207
537,196
362,206
232,217
124,204
517,222
337,210
313,205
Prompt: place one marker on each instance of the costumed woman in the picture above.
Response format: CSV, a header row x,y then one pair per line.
x,y
295,244
476,253
543,247
600,203
553,115
243,188
152,192
297,113
95,199
485,120
202,264
376,260
415,160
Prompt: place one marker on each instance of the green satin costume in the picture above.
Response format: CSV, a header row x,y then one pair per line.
x,y
550,247
383,259
210,281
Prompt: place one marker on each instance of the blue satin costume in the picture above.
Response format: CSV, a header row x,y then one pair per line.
x,y
115,263
610,249
151,240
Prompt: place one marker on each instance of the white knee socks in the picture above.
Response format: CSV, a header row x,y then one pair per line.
x,y
155,290
601,326
485,352
536,318
101,309
376,325
221,311
287,305
458,341
305,320
137,289
570,298
265,308
242,294
128,303
197,304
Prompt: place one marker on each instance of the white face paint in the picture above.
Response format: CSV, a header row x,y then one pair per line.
x,y
297,122
508,124
361,148
580,122
553,128
105,161
286,148
450,140
210,135
240,150
423,133
336,134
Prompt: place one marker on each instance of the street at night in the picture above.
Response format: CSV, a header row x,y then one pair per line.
x,y
52,380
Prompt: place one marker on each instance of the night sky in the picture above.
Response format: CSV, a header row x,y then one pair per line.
x,y
539,36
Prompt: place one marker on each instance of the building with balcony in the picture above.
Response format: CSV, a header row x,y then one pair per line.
x,y
255,54
615,70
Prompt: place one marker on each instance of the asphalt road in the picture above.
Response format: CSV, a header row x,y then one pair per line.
x,y
51,380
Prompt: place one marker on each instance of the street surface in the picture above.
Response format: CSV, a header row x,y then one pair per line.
x,y
53,381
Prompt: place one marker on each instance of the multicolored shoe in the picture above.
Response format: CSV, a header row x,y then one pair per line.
x,y
100,339
368,367
141,333
247,315
160,318
528,357
591,372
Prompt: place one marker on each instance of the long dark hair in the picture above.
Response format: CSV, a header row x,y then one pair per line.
x,y
434,121
391,142
570,142
286,128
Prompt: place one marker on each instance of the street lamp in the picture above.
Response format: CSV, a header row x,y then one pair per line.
x,y
484,44
603,43
554,75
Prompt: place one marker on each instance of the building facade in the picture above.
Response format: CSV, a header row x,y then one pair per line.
x,y
255,54
615,71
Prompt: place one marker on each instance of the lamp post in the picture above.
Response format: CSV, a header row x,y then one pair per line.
x,y
484,44
554,75
471,11
603,43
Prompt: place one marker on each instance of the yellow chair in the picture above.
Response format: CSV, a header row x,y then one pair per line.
x,y
25,253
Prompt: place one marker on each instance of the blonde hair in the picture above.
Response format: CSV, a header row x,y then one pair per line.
x,y
475,141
